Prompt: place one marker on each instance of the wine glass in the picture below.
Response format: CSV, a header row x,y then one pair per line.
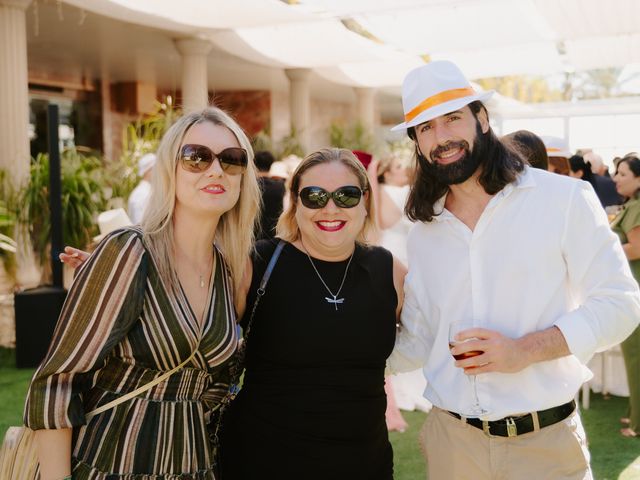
x,y
454,328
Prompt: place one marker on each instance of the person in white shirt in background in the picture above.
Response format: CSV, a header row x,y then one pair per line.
x,y
529,258
140,195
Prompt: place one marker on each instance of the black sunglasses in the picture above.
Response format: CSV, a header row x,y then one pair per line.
x,y
317,197
198,158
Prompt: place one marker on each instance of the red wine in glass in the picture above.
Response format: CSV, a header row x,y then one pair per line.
x,y
454,329
462,356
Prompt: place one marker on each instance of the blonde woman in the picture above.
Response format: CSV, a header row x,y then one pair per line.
x,y
146,301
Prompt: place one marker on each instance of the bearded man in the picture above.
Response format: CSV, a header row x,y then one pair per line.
x,y
525,256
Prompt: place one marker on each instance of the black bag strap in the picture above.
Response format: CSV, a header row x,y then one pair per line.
x,y
263,285
237,368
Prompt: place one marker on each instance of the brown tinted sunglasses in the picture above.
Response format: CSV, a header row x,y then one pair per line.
x,y
198,158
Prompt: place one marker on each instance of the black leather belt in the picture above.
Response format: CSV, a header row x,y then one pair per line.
x,y
514,426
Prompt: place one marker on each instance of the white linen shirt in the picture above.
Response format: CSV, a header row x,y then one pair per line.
x,y
541,254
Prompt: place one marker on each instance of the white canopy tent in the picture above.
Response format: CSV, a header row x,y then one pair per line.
x,y
361,43
486,38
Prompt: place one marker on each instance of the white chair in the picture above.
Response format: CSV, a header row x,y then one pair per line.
x,y
609,375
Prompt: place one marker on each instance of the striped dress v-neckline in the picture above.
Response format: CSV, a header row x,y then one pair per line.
x,y
200,325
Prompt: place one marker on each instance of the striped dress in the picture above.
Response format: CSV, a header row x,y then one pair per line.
x,y
120,328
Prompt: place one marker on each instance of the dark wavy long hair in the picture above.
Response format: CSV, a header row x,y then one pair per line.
x,y
499,166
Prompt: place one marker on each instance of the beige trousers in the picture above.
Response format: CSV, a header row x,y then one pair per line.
x,y
457,451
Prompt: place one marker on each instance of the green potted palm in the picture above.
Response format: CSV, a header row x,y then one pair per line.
x,y
290,145
8,246
83,196
138,138
7,275
90,185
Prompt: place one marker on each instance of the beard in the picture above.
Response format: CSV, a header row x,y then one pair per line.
x,y
460,170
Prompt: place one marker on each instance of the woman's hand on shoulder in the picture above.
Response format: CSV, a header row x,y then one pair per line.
x,y
73,257
399,272
241,297
372,171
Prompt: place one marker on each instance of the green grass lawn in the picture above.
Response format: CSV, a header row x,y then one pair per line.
x,y
612,456
13,389
407,457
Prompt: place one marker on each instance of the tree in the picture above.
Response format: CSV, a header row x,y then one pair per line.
x,y
586,85
600,83
525,88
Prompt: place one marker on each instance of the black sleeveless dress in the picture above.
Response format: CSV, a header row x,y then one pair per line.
x,y
312,405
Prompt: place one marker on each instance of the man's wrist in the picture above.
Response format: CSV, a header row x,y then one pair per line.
x,y
543,345
526,351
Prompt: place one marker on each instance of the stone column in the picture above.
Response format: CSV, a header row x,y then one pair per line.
x,y
300,104
366,107
14,90
195,92
107,115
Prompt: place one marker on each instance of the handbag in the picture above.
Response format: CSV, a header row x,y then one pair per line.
x,y
18,457
237,367
18,454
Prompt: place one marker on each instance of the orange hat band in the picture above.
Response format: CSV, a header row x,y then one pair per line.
x,y
437,99
553,149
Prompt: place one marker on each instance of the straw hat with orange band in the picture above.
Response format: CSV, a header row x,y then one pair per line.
x,y
556,146
558,153
435,89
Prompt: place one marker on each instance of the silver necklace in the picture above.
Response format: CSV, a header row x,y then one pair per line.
x,y
202,276
335,300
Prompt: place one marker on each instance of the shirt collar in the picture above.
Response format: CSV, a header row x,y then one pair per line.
x,y
632,201
525,179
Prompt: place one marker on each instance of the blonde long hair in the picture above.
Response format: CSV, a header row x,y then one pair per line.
x,y
287,227
234,233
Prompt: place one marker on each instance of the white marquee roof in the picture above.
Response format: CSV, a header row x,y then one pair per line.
x,y
485,37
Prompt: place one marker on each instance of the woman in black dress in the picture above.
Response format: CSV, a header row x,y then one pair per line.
x,y
312,404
